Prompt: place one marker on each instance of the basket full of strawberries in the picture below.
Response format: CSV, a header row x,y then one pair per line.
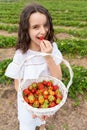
x,y
43,96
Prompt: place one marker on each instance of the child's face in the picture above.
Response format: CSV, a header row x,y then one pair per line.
x,y
37,27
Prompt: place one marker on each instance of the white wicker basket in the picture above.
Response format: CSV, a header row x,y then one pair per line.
x,y
62,87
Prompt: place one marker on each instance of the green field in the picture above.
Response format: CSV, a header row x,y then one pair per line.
x,y
68,17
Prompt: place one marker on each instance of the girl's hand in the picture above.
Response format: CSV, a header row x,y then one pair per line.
x,y
34,116
42,117
45,46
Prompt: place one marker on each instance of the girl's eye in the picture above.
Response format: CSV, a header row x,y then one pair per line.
x,y
35,27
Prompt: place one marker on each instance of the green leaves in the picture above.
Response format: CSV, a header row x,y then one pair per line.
x,y
10,28
6,42
3,79
79,85
73,47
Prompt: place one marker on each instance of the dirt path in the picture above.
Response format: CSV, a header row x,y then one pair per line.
x,y
5,33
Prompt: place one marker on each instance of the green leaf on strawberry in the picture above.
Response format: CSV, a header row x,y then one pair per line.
x,y
58,101
36,104
31,98
51,98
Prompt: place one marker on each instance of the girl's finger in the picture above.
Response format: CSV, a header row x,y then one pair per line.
x,y
42,45
34,116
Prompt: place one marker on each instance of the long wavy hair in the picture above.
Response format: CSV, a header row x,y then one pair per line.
x,y
23,40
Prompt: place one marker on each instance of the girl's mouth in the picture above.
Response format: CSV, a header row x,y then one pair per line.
x,y
41,38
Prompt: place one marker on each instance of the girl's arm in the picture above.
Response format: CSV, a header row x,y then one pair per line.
x,y
54,69
16,84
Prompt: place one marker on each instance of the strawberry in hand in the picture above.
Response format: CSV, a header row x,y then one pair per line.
x,y
41,38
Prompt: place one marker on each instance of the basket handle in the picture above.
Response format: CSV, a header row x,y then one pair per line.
x,y
45,54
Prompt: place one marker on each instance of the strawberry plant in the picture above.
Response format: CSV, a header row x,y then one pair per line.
x,y
73,47
12,28
3,79
6,42
79,85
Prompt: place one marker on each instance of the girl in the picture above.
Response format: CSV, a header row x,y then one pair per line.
x,y
35,35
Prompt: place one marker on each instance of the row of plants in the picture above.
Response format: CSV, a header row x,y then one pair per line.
x,y
79,79
63,12
9,28
6,42
56,21
73,47
69,23
67,46
76,32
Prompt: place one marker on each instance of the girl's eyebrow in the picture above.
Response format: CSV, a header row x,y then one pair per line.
x,y
38,24
34,25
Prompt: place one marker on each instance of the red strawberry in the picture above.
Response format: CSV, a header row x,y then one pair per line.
x,y
33,90
45,96
41,38
60,96
52,104
26,91
44,82
26,99
49,83
40,86
55,87
38,92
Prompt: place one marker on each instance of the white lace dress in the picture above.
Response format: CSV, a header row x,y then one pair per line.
x,y
34,68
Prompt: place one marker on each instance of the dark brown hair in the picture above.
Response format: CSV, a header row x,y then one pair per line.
x,y
23,35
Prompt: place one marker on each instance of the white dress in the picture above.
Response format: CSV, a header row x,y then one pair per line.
x,y
34,68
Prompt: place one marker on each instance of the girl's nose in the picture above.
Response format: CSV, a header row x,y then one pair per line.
x,y
43,30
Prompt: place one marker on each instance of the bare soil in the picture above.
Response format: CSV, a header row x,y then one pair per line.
x,y
69,117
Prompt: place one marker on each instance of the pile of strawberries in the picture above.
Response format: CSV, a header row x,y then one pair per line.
x,y
42,94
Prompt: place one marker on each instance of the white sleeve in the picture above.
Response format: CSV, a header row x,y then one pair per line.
x,y
57,52
13,68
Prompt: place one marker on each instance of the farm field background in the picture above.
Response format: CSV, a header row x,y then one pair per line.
x,y
70,27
